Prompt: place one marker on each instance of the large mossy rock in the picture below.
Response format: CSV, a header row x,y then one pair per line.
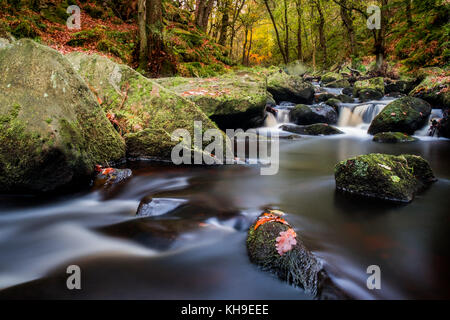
x,y
302,114
284,87
147,113
232,101
405,115
382,176
317,129
370,89
298,266
434,87
393,137
52,130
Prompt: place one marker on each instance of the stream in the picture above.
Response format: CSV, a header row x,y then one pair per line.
x,y
193,247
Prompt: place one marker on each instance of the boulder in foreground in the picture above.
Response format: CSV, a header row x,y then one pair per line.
x,y
273,245
405,115
52,130
145,112
382,176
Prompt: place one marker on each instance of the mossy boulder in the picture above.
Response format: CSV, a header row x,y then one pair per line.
x,y
146,112
302,114
393,137
284,87
343,83
298,266
52,130
382,176
434,89
317,129
405,115
231,100
335,103
330,77
322,97
370,89
399,86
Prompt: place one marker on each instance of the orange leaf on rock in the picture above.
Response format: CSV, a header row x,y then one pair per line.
x,y
286,241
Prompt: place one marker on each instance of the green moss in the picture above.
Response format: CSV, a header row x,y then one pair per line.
x,y
375,84
405,115
388,177
393,137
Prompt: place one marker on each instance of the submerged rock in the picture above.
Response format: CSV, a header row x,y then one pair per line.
x,y
147,113
393,137
232,101
405,115
284,87
151,207
107,177
382,176
317,129
303,114
52,130
273,245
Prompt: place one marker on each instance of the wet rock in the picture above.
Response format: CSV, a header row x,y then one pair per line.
x,y
145,112
330,77
399,86
52,130
345,98
229,100
303,114
270,101
284,87
393,137
317,129
107,177
348,91
322,97
151,207
335,103
273,245
343,83
370,89
443,126
382,176
405,115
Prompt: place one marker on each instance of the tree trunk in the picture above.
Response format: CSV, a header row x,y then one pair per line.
x,y
225,23
286,28
143,46
276,31
409,13
322,39
380,35
347,20
249,47
245,46
154,27
299,31
203,10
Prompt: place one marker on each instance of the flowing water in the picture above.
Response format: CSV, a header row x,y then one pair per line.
x,y
193,245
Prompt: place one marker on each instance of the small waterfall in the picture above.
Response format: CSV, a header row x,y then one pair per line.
x,y
270,121
352,116
283,116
